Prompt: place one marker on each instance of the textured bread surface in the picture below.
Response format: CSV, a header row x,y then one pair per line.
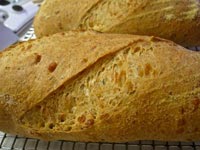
x,y
86,86
176,20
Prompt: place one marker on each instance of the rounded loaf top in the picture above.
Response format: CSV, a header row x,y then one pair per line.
x,y
176,20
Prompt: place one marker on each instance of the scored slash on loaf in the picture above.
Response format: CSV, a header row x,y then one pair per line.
x,y
87,86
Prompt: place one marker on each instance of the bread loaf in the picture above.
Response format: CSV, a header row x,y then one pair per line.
x,y
177,20
88,86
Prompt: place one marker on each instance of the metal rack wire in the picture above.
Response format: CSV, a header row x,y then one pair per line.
x,y
14,142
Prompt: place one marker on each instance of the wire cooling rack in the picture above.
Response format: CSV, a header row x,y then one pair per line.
x,y
14,142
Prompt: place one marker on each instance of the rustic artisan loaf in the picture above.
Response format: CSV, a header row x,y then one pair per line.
x,y
98,87
177,20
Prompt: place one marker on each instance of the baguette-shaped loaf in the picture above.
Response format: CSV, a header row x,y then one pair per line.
x,y
100,87
177,20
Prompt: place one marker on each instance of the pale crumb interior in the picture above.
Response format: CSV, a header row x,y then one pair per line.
x,y
96,91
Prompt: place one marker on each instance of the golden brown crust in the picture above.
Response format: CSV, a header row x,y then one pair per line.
x,y
103,87
177,20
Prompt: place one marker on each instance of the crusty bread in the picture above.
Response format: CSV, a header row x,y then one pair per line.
x,y
177,20
100,87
